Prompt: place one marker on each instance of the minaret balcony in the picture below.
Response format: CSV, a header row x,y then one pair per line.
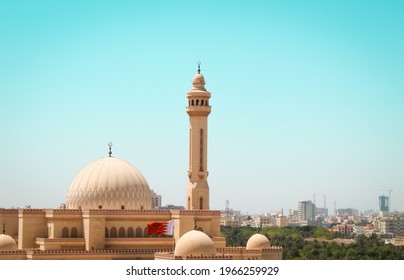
x,y
198,110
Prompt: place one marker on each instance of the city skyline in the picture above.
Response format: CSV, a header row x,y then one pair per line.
x,y
307,98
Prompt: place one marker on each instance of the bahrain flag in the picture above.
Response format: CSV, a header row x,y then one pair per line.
x,y
166,228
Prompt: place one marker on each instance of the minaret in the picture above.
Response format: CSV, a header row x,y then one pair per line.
x,y
198,110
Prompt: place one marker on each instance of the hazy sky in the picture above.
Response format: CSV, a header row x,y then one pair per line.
x,y
307,98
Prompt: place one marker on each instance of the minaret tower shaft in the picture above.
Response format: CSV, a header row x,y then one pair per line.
x,y
198,110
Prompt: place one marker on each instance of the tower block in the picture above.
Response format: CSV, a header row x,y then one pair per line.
x,y
198,110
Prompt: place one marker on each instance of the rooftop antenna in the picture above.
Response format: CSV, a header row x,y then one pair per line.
x,y
199,67
110,149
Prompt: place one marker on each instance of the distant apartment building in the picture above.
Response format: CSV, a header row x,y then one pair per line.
x,y
398,241
344,229
369,212
390,225
248,223
293,213
307,211
230,221
358,219
347,212
172,207
358,230
230,217
322,212
230,212
281,221
264,221
369,229
156,200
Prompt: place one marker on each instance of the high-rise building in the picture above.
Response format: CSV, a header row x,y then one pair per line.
x,y
384,203
306,210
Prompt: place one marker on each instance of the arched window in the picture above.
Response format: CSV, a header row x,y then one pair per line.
x,y
200,203
146,233
192,102
197,102
106,233
131,233
65,232
122,232
74,233
202,103
139,232
113,232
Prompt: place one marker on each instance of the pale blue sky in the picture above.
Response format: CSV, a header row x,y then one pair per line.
x,y
307,97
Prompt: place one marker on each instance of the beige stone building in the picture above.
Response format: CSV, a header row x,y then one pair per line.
x,y
156,200
109,205
231,221
282,221
393,225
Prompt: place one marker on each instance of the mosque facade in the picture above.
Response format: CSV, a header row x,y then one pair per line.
x,y
109,206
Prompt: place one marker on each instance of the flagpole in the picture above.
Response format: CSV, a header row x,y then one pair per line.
x,y
173,235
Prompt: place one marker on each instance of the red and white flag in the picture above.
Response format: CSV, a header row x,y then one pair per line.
x,y
166,228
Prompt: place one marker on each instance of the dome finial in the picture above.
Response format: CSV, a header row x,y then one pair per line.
x,y
4,226
199,67
110,149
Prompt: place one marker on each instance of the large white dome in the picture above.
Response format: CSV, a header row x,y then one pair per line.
x,y
258,241
7,243
194,243
109,183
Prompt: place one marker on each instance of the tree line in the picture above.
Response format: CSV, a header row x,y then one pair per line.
x,y
316,243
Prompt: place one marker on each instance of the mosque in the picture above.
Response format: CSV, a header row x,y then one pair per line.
x,y
108,208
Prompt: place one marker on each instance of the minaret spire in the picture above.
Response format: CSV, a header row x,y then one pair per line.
x,y
198,110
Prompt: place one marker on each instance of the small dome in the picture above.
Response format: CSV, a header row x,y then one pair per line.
x,y
194,243
7,243
109,183
258,241
199,81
